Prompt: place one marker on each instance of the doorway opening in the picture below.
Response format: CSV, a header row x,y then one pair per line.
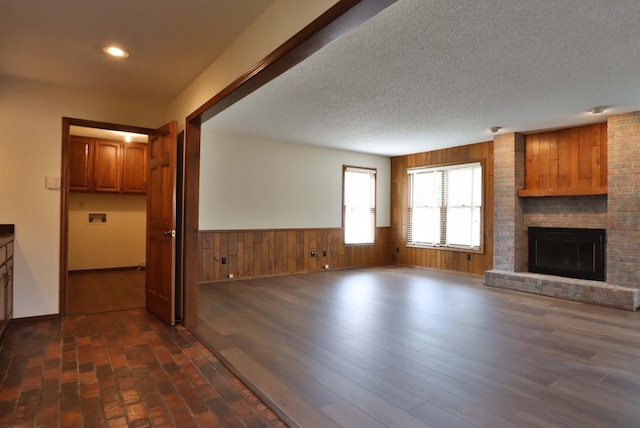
x,y
107,220
103,217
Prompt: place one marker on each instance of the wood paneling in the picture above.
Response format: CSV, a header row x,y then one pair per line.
x,y
566,162
260,253
442,259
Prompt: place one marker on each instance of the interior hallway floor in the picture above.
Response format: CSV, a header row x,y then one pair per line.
x,y
103,290
118,369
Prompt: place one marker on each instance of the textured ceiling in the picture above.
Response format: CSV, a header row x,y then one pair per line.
x,y
170,41
429,74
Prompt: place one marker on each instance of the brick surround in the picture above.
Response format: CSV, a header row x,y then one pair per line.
x,y
623,230
618,213
508,173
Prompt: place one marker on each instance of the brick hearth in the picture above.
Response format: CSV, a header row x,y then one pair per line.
x,y
618,213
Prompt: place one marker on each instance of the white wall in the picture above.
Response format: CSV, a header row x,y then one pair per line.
x,y
31,149
120,242
259,184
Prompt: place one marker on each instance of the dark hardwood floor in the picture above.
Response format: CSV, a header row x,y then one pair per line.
x,y
97,291
401,347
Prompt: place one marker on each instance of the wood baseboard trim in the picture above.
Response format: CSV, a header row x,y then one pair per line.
x,y
36,318
247,278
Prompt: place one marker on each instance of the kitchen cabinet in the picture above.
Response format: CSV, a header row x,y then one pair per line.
x,y
107,166
80,164
134,168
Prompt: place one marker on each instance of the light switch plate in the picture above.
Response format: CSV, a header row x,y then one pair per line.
x,y
52,183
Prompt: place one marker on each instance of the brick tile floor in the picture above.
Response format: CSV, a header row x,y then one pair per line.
x,y
119,369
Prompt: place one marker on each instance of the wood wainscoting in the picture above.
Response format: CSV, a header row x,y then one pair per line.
x,y
259,253
442,259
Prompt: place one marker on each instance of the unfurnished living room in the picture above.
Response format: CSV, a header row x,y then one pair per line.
x,y
320,213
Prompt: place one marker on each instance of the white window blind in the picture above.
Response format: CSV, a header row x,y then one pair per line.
x,y
445,206
359,205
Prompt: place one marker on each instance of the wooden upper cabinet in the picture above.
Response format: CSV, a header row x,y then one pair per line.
x,y
107,166
80,164
566,162
134,168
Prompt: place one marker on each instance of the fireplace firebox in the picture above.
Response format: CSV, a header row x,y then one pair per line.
x,y
573,253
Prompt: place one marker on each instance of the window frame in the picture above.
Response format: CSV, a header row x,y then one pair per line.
x,y
443,222
373,172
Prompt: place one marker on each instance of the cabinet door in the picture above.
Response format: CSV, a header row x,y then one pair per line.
x,y
134,168
107,164
80,164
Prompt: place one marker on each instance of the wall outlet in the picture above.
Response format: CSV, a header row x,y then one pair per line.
x,y
230,276
326,266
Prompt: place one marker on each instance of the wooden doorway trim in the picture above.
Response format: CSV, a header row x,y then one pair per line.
x,y
67,122
343,17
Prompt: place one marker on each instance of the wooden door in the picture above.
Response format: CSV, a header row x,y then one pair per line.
x,y
107,165
80,164
161,222
134,168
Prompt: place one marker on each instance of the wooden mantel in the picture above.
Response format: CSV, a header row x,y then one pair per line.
x,y
566,162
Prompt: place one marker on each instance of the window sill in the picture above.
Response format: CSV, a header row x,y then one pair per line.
x,y
358,244
456,249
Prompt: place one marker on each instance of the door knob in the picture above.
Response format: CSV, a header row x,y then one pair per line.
x,y
169,233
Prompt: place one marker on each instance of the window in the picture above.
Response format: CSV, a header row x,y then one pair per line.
x,y
445,206
359,204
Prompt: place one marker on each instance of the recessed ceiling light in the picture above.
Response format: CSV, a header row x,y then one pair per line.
x,y
495,129
598,109
115,51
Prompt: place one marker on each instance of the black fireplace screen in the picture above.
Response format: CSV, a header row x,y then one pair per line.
x,y
573,253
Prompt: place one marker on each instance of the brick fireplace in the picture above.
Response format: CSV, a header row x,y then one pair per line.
x,y
618,212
